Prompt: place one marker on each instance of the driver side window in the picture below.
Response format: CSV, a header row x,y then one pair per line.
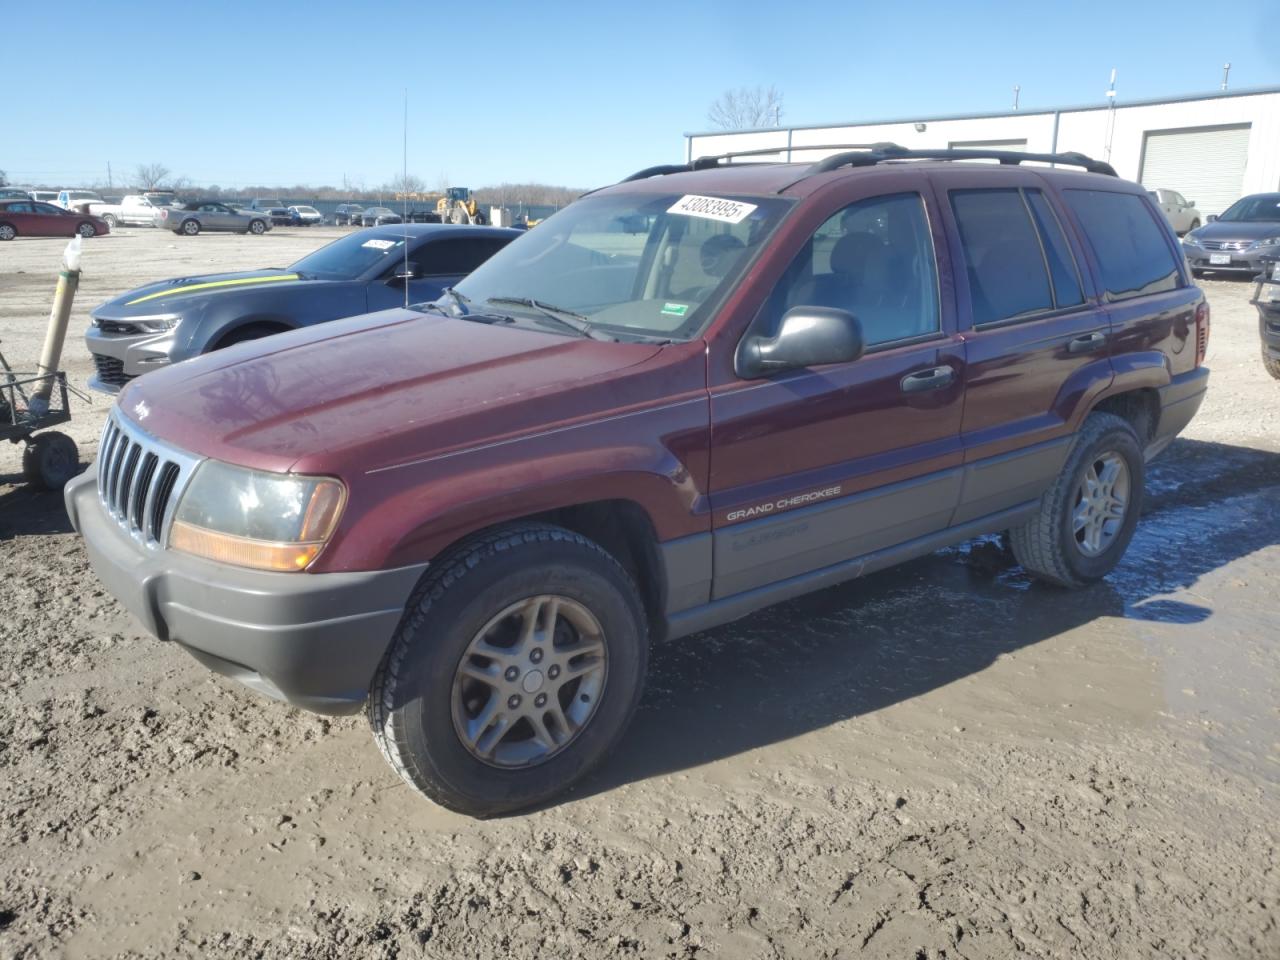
x,y
874,258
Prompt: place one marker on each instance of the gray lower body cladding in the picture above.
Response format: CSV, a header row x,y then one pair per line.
x,y
314,640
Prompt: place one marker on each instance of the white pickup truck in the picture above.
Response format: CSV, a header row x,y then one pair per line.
x,y
135,209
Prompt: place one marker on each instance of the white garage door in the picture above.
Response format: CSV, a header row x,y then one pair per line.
x,y
989,145
1205,166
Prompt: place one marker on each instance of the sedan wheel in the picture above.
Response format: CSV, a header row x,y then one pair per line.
x,y
191,227
7,231
87,230
257,227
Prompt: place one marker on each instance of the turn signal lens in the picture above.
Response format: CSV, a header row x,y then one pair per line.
x,y
1202,331
243,552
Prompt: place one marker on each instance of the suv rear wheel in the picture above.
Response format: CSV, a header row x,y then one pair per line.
x,y
517,666
1087,518
1272,365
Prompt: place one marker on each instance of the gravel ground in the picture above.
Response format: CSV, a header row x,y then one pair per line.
x,y
944,760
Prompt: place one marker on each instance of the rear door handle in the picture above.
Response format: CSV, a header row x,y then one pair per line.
x,y
1087,344
932,379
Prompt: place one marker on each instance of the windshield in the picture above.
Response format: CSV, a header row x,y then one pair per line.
x,y
305,209
638,264
1262,208
350,257
82,195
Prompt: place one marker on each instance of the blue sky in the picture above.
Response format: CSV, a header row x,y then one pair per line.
x,y
559,92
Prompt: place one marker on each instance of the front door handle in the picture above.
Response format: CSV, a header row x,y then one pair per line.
x,y
1087,344
933,379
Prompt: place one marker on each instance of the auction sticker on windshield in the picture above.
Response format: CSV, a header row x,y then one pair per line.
x,y
712,208
380,244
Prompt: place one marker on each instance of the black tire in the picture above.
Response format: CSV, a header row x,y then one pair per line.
x,y
410,701
1272,365
50,460
257,228
1194,225
189,228
8,231
1046,545
87,230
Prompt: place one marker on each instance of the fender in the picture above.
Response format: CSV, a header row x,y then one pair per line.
x,y
655,459
1085,386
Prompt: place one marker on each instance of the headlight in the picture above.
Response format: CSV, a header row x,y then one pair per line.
x,y
269,521
155,324
1190,241
1268,242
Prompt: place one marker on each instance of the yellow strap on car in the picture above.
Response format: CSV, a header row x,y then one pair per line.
x,y
242,282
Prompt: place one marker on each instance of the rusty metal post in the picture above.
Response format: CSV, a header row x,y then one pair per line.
x,y
59,318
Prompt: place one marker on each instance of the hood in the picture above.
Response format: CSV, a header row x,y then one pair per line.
x,y
176,293
1226,230
369,391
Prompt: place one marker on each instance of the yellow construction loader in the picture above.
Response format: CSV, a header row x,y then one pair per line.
x,y
459,206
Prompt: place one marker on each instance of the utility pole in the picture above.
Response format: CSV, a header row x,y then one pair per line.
x,y
109,187
1017,90
1226,72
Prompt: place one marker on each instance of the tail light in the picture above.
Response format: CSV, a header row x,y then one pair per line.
x,y
1202,331
164,214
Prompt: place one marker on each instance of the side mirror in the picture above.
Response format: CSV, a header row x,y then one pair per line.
x,y
1191,203
1210,218
807,337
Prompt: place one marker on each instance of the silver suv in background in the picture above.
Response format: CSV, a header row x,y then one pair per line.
x,y
1181,214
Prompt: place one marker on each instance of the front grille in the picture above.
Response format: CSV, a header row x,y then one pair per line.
x,y
111,370
115,326
139,479
1225,244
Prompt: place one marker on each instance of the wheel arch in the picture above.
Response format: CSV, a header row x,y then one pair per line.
x,y
224,334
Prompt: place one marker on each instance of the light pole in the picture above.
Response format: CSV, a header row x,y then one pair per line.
x,y
1226,72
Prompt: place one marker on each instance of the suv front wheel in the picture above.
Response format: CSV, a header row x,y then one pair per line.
x,y
1086,519
517,666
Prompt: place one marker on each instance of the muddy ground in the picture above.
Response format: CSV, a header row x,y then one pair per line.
x,y
944,760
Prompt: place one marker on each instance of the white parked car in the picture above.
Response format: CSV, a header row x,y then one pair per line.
x,y
307,216
1182,214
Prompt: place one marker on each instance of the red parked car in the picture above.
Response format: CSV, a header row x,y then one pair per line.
x,y
33,218
682,398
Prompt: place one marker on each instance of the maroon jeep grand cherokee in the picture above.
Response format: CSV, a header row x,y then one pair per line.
x,y
685,397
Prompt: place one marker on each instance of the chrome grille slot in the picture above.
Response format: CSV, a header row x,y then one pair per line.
x,y
140,479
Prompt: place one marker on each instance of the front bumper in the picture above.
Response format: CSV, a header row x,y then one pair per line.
x,y
314,640
120,357
1249,262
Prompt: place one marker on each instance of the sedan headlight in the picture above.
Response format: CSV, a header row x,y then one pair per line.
x,y
268,521
1268,242
1190,241
158,323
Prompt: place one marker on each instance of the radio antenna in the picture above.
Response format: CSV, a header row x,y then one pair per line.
x,y
404,192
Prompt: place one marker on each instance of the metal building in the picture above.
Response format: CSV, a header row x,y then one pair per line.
x,y
1211,148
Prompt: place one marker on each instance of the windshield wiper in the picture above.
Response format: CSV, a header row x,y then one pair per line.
x,y
566,318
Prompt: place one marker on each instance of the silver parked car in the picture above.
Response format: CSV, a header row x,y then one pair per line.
x,y
189,219
1182,214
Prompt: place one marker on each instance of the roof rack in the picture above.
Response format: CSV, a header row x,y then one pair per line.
x,y
870,154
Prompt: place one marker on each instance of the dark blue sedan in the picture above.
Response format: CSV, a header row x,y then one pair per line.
x,y
365,271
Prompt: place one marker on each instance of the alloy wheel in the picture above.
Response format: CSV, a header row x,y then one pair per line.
x,y
529,682
1102,499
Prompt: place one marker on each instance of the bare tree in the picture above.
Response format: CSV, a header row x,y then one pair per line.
x,y
150,175
406,183
4,181
746,108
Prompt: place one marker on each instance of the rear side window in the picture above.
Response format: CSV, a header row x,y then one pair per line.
x,y
1132,253
1008,277
1062,265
